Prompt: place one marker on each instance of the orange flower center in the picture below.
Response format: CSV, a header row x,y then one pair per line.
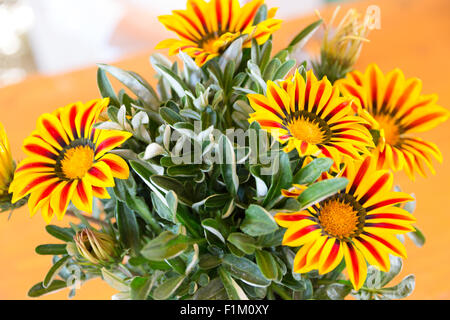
x,y
77,162
305,130
339,219
390,128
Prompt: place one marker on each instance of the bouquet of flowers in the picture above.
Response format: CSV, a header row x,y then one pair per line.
x,y
245,174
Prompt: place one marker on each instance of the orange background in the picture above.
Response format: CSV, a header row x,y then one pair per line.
x,y
413,37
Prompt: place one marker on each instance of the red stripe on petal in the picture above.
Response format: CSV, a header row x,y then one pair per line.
x,y
300,233
374,252
35,182
113,165
354,260
387,202
293,217
82,193
386,226
361,173
375,187
384,242
424,119
34,165
388,216
332,255
277,98
270,123
98,174
53,132
336,110
34,148
107,143
64,197
319,95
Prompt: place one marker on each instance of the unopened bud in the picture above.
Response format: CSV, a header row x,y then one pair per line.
x,y
96,247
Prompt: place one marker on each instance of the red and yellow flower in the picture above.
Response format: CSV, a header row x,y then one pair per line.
x,y
312,117
358,224
399,108
205,29
68,160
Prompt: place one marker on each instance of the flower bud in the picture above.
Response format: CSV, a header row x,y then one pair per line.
x,y
341,45
96,247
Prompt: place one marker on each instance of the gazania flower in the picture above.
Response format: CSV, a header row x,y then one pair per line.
x,y
207,28
311,117
68,160
6,164
399,109
357,224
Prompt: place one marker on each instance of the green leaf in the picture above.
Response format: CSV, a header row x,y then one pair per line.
x,y
281,179
213,291
284,69
234,291
138,205
162,209
51,249
168,183
167,288
396,266
267,264
208,261
243,242
114,281
49,278
320,191
105,88
64,234
303,35
401,290
39,290
269,71
166,246
127,225
228,165
140,288
258,221
417,237
170,116
312,171
174,80
146,93
243,269
213,226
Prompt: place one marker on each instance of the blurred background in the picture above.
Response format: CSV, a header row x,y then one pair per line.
x,y
48,51
55,36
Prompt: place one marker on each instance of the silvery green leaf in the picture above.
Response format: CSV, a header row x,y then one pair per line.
x,y
122,118
417,237
232,53
258,221
243,106
401,290
255,74
174,80
411,205
234,291
284,69
153,150
194,260
269,71
158,58
122,296
166,137
114,280
108,125
168,288
303,37
396,267
129,79
139,119
228,165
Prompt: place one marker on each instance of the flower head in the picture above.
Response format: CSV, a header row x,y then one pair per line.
x,y
68,160
94,246
311,117
398,108
358,224
6,166
207,28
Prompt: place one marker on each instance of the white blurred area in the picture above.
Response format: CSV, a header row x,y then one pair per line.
x,y
57,36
